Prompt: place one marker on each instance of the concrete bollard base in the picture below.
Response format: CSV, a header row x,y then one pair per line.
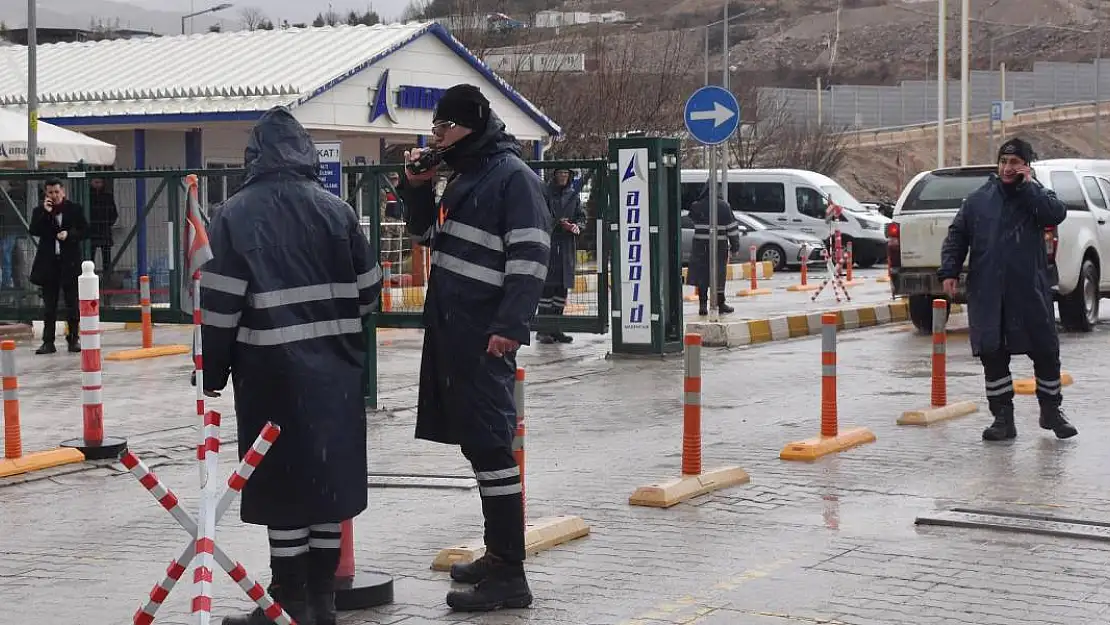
x,y
814,448
539,535
667,494
39,460
803,287
365,590
148,352
752,292
936,415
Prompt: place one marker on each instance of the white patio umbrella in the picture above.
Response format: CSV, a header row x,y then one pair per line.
x,y
56,145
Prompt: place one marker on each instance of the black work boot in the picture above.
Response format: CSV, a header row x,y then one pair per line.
x,y
545,338
1052,418
703,303
321,602
74,345
292,599
504,587
1003,427
722,307
562,337
47,348
476,571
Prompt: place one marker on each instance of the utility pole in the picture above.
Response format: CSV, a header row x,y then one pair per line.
x,y
32,102
942,78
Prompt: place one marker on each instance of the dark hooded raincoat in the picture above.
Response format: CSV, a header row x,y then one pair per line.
x,y
564,203
489,262
728,238
1009,285
282,301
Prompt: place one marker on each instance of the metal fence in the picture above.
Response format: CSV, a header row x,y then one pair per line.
x,y
915,101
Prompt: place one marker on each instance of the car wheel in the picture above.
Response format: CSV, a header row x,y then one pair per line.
x,y
866,262
1079,310
921,312
773,254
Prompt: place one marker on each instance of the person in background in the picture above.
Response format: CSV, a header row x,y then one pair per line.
x,y
489,260
569,219
282,306
11,229
1009,287
393,209
102,217
728,237
60,225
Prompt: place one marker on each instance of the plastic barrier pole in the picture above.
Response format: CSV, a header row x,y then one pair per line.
x,y
144,302
387,282
805,265
828,375
940,354
207,454
93,444
518,438
751,264
691,407
849,260
13,442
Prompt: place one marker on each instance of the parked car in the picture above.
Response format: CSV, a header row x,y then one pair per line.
x,y
1076,249
798,199
773,243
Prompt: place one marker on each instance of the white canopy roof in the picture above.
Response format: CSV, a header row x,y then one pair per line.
x,y
55,145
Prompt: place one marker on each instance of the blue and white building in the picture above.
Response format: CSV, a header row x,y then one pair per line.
x,y
188,102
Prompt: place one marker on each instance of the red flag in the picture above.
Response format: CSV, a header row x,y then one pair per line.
x,y
197,250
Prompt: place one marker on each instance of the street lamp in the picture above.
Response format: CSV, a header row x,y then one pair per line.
x,y
219,7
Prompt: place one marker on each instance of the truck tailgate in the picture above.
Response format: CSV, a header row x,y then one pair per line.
x,y
922,234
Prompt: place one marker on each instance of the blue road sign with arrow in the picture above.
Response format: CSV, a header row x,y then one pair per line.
x,y
712,115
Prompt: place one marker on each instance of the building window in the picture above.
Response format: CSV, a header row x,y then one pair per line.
x,y
218,188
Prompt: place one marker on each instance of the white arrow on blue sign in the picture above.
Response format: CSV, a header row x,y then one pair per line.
x,y
712,115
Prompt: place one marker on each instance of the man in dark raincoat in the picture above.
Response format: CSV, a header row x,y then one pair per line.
x,y
282,302
489,261
569,220
1009,286
728,238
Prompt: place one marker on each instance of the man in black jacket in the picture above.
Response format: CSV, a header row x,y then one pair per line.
x,y
489,260
1009,287
59,225
102,217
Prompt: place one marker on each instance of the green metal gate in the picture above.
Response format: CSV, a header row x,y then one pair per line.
x,y
147,237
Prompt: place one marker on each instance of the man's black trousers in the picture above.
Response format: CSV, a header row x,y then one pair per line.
x,y
50,292
1000,383
500,486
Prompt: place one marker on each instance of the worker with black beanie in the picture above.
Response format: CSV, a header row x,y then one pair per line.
x,y
490,240
1010,309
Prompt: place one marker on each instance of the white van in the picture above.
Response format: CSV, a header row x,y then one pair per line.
x,y
796,199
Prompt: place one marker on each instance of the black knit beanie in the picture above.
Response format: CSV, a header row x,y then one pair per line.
x,y
465,105
1019,148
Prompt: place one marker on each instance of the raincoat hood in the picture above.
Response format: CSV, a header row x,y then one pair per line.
x,y
280,144
475,148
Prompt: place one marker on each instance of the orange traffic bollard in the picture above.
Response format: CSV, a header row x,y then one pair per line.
x,y
144,302
14,462
13,441
753,289
387,282
518,438
803,284
358,590
691,407
832,439
940,410
693,482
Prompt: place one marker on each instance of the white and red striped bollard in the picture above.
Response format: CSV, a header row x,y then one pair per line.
x,y
235,570
93,443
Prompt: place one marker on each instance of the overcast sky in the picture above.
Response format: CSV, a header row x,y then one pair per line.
x,y
292,10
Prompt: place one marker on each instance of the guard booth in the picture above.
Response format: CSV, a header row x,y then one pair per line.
x,y
406,266
647,259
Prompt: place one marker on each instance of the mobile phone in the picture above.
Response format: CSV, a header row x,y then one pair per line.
x,y
427,161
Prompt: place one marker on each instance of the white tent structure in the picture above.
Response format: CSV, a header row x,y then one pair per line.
x,y
55,145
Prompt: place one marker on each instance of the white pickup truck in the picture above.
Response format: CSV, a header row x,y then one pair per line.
x,y
1078,249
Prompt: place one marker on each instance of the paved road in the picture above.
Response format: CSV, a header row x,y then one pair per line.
x,y
829,542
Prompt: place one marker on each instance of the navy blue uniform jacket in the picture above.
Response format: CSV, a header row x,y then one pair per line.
x,y
282,301
1009,286
489,261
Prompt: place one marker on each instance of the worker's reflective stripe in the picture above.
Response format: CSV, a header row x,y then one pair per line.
x,y
295,534
526,268
302,294
497,491
300,332
288,552
219,320
1048,387
370,278
500,474
467,269
323,543
527,235
474,235
225,284
1001,386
